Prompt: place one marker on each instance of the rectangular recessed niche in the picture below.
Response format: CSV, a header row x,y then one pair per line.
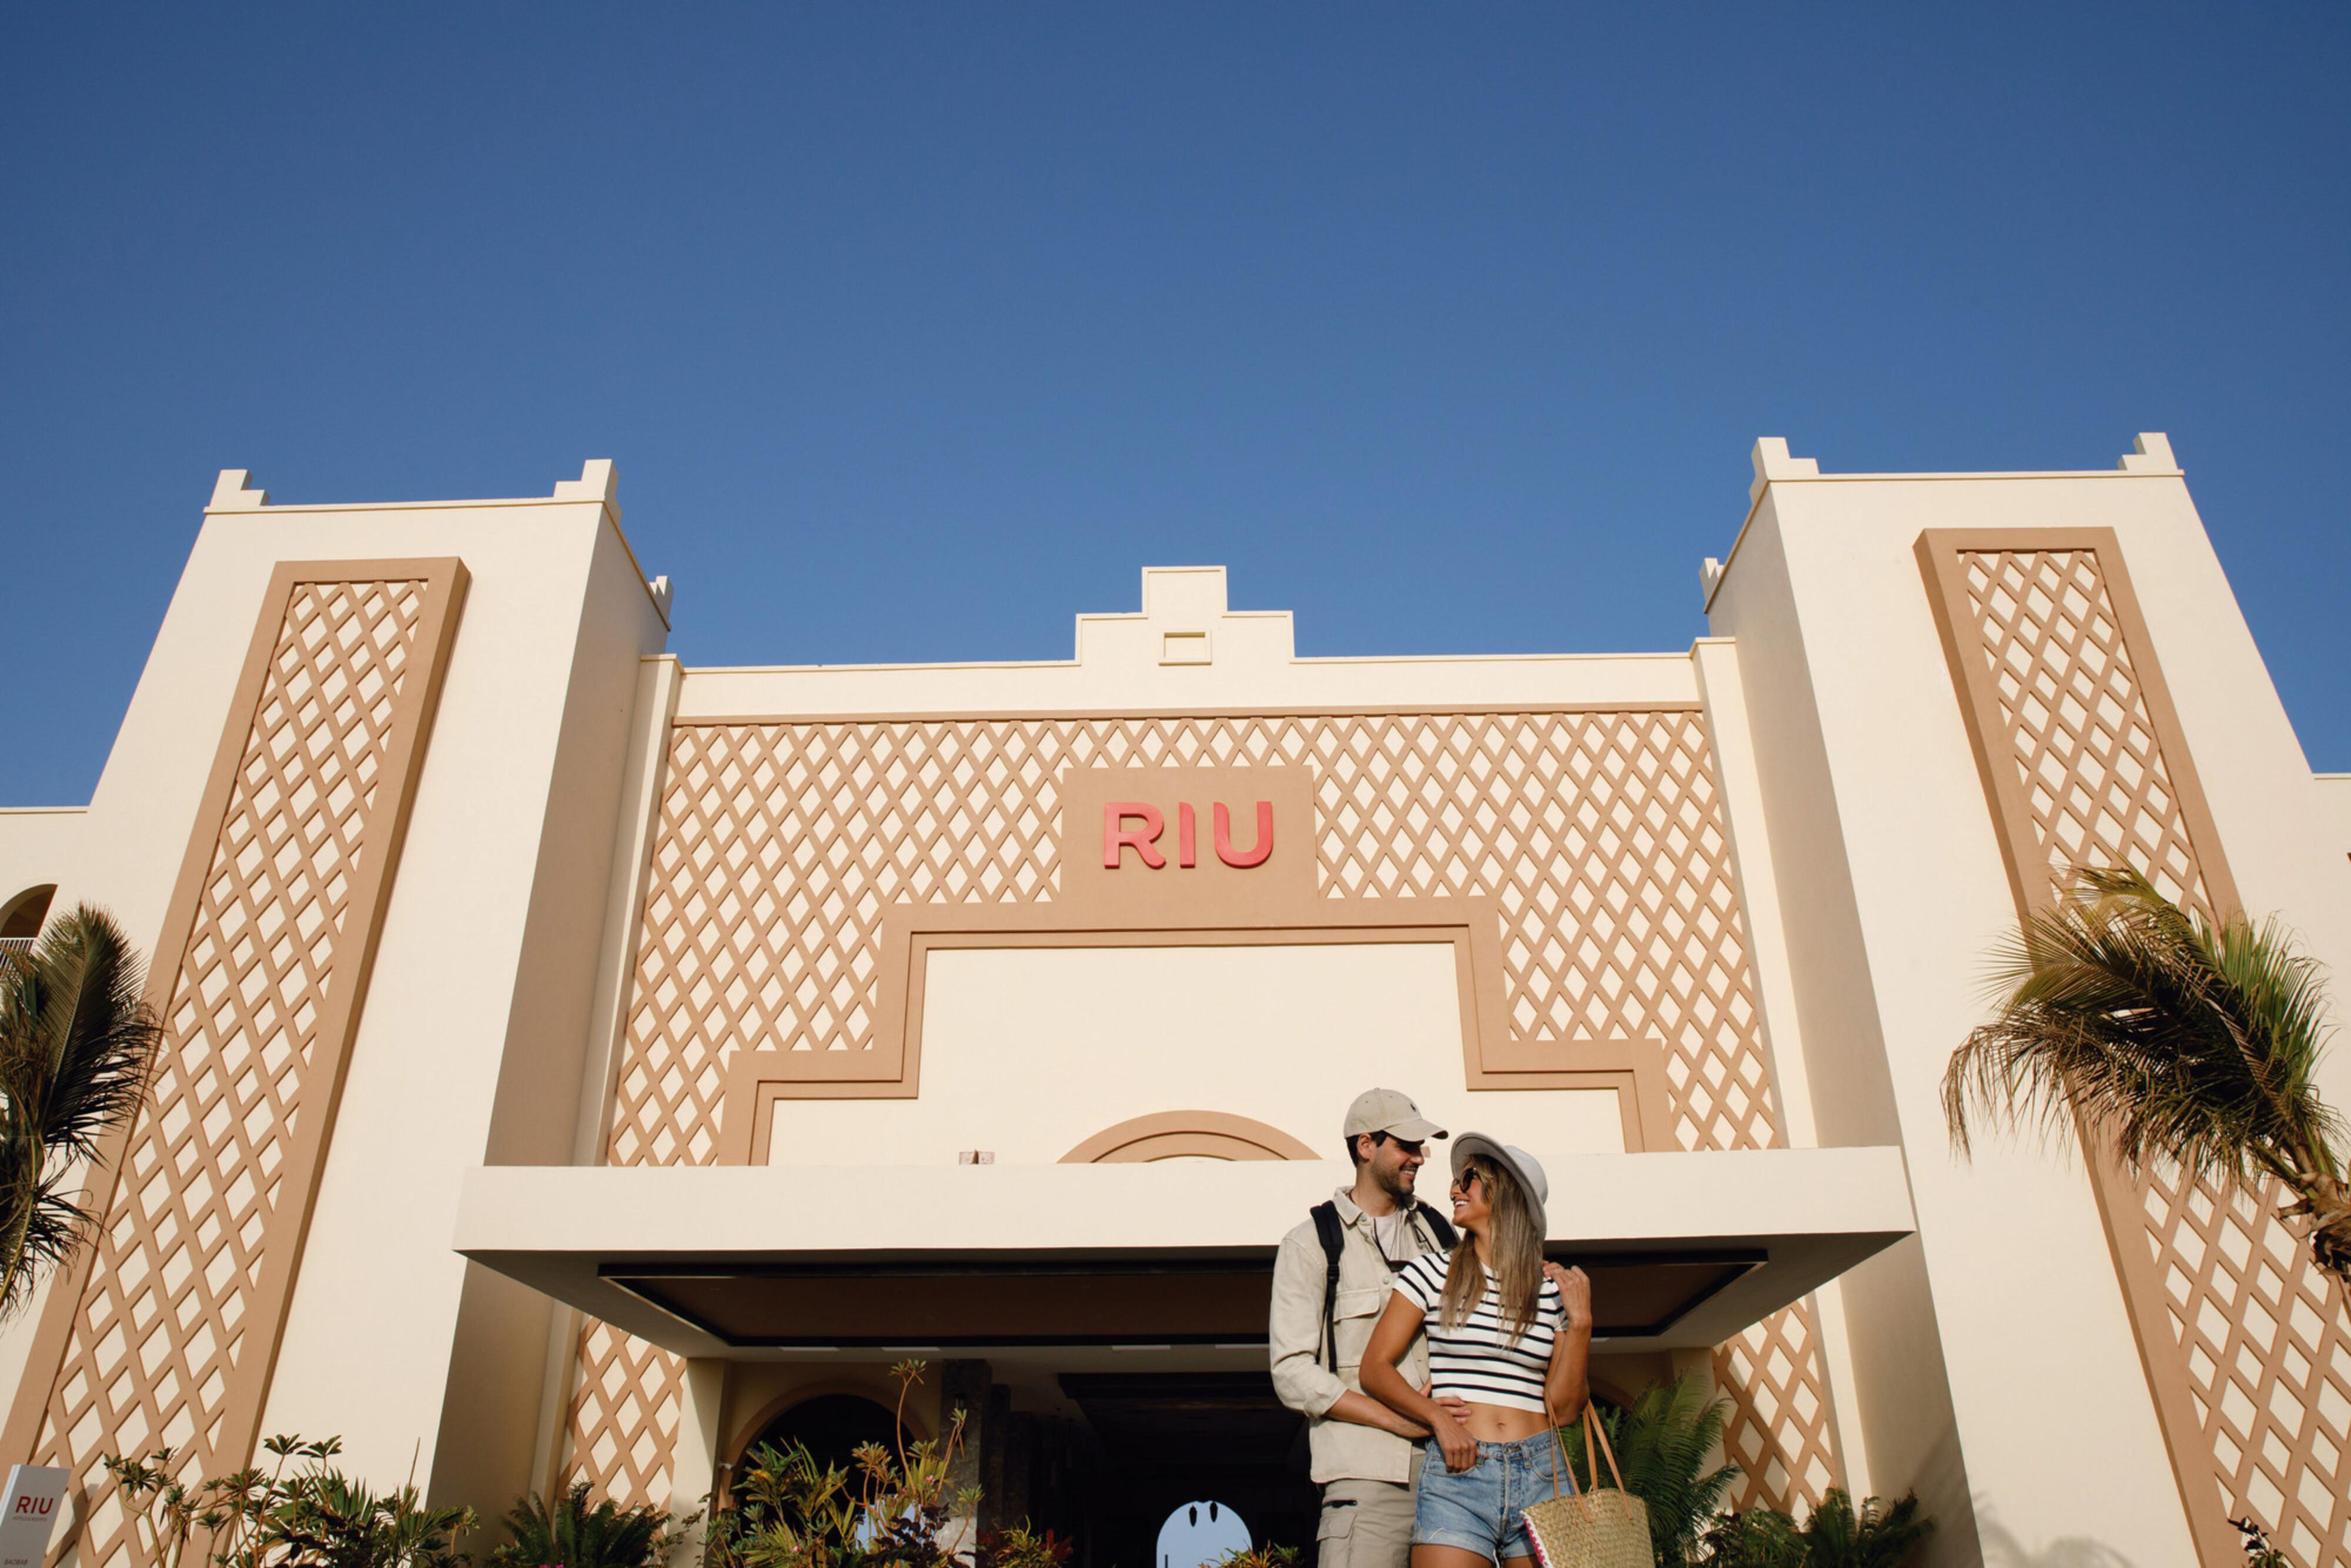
x,y
1183,648
919,1006
1063,1041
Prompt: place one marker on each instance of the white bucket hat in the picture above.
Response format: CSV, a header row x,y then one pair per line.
x,y
1514,1159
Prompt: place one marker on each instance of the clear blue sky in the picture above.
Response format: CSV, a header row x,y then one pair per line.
x,y
916,329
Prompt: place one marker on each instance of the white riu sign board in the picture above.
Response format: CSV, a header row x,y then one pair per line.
x,y
36,1497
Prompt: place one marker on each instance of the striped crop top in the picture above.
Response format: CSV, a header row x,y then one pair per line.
x,y
1477,1360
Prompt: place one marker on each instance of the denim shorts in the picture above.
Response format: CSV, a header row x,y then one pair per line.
x,y
1478,1510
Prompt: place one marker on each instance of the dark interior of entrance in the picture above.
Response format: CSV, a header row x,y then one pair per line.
x,y
1102,1458
1150,1443
832,1428
1168,1440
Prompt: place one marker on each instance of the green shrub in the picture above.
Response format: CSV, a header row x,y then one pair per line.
x,y
1836,1535
1021,1547
316,1517
2259,1553
891,1507
1662,1443
568,1533
1758,1537
1265,1555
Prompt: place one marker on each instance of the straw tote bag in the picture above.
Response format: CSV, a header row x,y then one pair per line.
x,y
1593,1528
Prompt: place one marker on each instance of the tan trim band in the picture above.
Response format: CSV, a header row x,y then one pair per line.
x,y
1194,711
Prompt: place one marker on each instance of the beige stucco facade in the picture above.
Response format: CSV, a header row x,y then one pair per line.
x,y
577,1062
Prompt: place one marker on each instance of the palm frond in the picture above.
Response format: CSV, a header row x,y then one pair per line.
x,y
76,1045
2170,1035
572,1532
96,1035
1877,1534
1662,1442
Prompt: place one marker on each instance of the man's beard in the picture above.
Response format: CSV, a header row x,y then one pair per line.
x,y
1396,1183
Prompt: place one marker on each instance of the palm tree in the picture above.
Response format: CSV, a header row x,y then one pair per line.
x,y
2171,1037
77,1043
1662,1443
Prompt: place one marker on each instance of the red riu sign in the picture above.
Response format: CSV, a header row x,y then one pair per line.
x,y
1143,837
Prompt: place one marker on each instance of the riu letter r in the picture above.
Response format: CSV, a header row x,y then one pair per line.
x,y
1117,837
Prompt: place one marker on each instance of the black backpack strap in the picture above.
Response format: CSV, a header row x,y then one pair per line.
x,y
1328,1230
1438,1226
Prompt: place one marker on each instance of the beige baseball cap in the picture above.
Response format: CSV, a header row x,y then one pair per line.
x,y
1391,1112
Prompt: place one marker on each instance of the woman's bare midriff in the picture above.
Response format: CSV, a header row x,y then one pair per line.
x,y
1500,1423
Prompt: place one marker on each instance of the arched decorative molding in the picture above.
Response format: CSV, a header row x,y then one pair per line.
x,y
1171,1134
883,1397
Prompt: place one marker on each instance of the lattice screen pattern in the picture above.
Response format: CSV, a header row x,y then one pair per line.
x,y
170,1325
2264,1336
621,1423
1597,833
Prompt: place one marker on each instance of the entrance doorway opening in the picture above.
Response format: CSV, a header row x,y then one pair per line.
x,y
21,916
832,1428
1171,1445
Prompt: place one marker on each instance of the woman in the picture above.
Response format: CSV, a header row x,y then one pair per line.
x,y
1509,1335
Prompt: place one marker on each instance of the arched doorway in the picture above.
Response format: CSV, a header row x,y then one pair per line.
x,y
832,1428
21,917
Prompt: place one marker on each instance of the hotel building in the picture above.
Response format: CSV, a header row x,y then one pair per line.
x,y
581,1065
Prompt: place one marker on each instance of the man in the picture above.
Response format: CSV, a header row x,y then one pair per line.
x,y
1365,1456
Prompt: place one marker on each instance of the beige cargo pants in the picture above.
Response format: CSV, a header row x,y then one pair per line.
x,y
1366,1524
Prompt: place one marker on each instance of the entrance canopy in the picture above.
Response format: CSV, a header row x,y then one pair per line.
x,y
1684,1250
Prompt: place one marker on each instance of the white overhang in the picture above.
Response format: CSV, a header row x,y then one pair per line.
x,y
1686,1249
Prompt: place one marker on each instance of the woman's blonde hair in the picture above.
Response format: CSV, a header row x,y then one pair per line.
x,y
1517,1246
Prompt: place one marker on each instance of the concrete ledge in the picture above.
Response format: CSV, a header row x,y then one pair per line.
x,y
1794,1217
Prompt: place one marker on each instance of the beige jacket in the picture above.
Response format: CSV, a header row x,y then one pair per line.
x,y
1342,1450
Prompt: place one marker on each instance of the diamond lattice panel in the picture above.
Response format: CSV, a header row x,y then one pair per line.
x,y
166,1324
2268,1343
1598,834
1781,1433
2085,749
2265,1337
623,1424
